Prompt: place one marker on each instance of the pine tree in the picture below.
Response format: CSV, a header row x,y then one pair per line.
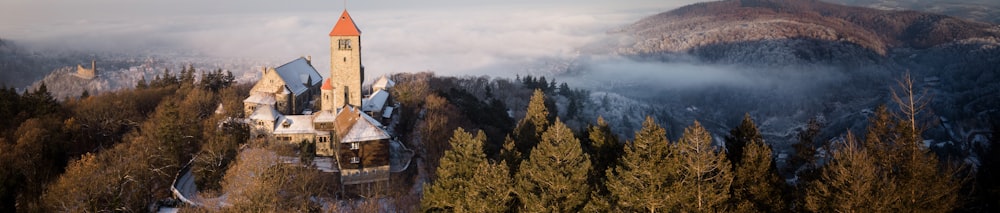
x,y
739,137
491,189
705,175
805,152
645,179
850,182
756,185
510,155
604,148
458,166
466,181
552,179
903,175
41,102
187,75
535,122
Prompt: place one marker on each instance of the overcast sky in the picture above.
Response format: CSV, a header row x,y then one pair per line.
x,y
447,36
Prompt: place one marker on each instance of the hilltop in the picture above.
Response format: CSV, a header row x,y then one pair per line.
x,y
801,25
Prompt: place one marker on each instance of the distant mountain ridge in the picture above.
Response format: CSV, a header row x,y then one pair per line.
x,y
740,21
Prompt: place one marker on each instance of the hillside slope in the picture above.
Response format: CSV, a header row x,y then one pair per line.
x,y
689,28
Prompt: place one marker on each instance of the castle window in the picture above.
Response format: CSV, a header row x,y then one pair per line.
x,y
355,160
355,146
344,44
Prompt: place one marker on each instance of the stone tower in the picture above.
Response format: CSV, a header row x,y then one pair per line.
x,y
346,71
326,98
85,73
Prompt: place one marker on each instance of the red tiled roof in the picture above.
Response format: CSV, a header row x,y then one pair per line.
x,y
345,26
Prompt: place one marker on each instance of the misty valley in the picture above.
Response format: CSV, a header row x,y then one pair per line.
x,y
721,106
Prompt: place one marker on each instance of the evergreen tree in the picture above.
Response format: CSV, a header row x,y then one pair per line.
x,y
646,177
879,137
805,152
10,104
535,122
455,174
849,182
41,102
904,175
491,189
739,137
705,175
564,90
756,185
603,148
551,180
542,84
187,75
307,152
510,155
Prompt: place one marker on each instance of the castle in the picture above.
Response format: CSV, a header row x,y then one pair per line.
x,y
87,73
348,126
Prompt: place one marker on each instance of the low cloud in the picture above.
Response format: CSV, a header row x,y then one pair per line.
x,y
447,37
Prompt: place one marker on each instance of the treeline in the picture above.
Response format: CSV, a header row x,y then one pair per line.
x,y
544,166
118,150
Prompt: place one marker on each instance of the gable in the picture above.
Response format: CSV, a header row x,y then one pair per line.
x,y
270,82
297,74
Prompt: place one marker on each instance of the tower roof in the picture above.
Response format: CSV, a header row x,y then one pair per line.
x,y
327,85
345,26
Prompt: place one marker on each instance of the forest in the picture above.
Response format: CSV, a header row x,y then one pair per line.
x,y
483,145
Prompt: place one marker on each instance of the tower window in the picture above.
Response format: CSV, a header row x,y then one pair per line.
x,y
344,44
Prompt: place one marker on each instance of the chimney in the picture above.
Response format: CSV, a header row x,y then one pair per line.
x,y
263,69
93,65
309,59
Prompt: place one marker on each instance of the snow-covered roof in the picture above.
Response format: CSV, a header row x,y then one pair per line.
x,y
265,112
383,83
295,124
325,116
260,98
366,129
375,102
297,73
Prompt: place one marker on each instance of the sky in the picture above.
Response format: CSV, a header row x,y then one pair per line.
x,y
450,37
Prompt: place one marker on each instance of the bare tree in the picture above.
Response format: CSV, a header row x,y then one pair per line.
x,y
910,102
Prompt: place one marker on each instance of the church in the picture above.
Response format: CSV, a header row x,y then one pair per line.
x,y
347,126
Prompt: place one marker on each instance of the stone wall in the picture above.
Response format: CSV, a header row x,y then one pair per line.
x,y
345,71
